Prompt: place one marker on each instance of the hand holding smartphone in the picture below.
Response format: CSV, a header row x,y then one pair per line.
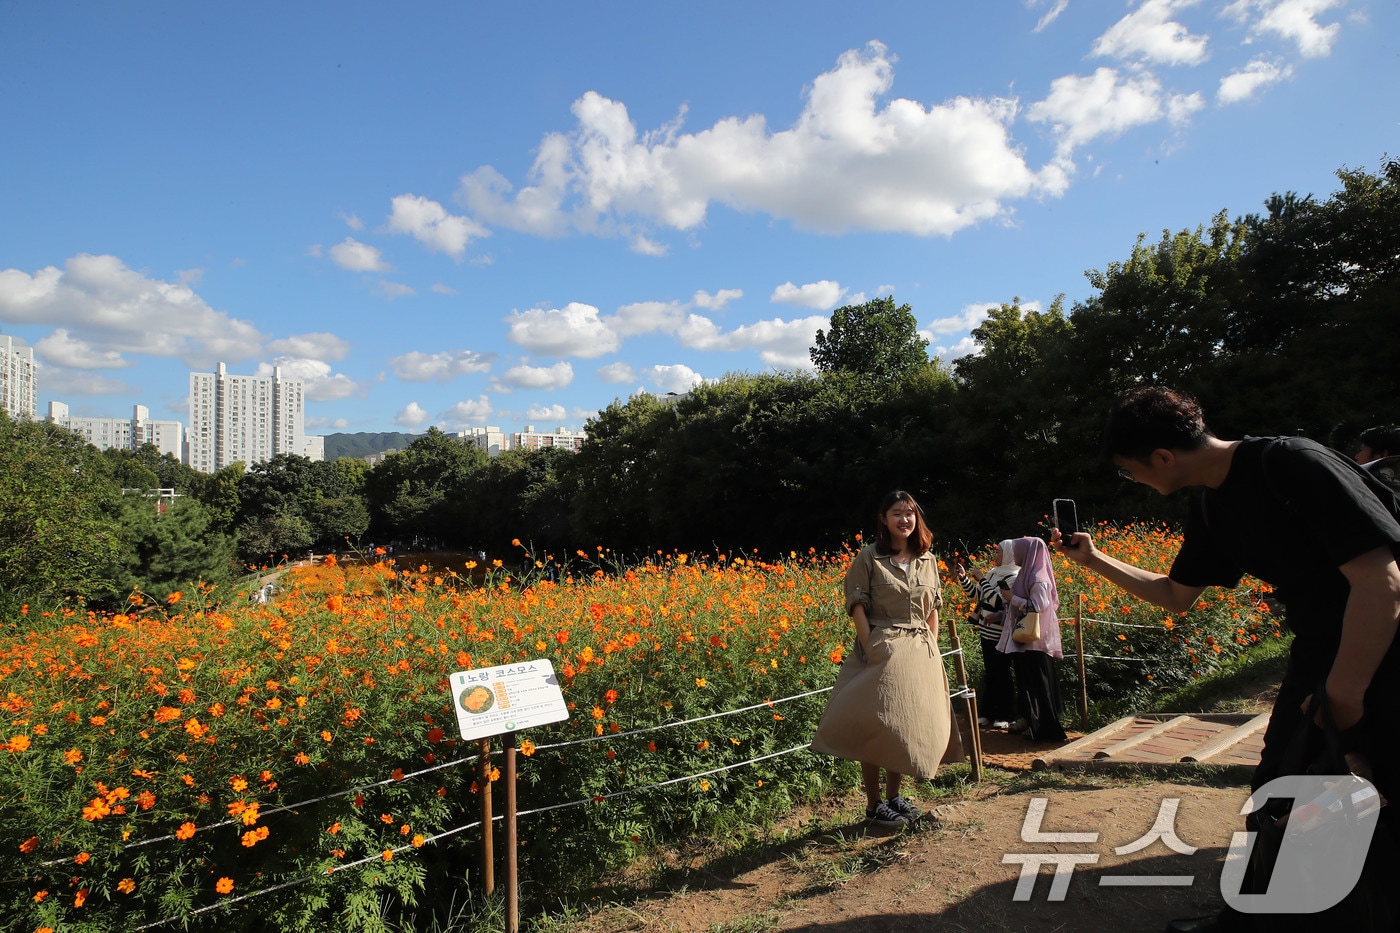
x,y
1066,520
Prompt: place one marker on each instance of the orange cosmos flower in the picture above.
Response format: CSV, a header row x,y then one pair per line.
x,y
527,748
224,885
29,845
72,756
19,743
127,885
185,831
80,898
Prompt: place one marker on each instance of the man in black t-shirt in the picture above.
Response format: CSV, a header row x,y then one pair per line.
x,y
1305,520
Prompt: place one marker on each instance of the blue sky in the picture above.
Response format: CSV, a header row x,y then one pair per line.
x,y
470,214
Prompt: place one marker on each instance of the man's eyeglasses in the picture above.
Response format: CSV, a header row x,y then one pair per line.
x,y
1126,474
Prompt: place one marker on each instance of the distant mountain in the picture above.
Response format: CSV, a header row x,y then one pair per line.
x,y
365,443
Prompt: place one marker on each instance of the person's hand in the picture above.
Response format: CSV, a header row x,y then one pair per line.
x,y
959,569
1347,703
1079,548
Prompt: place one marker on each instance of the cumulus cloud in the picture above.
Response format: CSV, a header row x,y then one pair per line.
x,y
321,346
99,302
647,317
676,378
322,384
61,349
441,289
1292,20
417,366
963,347
781,344
411,416
969,317
1082,108
465,413
853,160
429,223
352,221
617,372
1252,79
574,330
357,257
543,378
819,296
703,299
647,246
392,290
551,413
1150,34
60,381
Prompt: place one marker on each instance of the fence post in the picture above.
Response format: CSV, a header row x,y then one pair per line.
x,y
1079,650
512,885
973,727
483,783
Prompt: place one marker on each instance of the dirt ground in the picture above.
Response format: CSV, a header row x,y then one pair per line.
x,y
825,873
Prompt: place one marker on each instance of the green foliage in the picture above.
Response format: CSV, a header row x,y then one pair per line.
x,y
55,495
169,546
876,339
419,492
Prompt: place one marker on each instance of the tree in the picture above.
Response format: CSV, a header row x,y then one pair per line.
x,y
876,339
169,546
421,490
56,536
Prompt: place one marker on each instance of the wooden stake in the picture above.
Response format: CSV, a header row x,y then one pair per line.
x,y
483,783
1079,649
512,885
961,667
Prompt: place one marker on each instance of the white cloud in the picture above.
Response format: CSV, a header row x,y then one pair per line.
x,y
190,277
442,289
718,300
617,372
340,424
322,384
61,349
1181,107
884,290
429,223
417,366
846,163
68,382
357,257
966,319
819,296
322,346
411,416
1102,104
647,246
543,378
1296,21
352,221
315,250
574,330
103,304
1148,33
1250,80
781,344
392,290
646,317
1051,15
554,414
465,413
677,378
963,347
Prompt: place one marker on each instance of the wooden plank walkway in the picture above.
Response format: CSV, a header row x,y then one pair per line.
x,y
1165,741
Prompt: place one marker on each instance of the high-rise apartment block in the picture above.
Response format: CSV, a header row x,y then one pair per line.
x,y
247,418
490,439
19,391
124,433
530,439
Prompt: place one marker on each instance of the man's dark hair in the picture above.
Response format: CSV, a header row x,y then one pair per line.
x,y
1152,418
1383,439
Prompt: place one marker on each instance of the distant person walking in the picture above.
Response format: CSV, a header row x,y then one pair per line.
x,y
890,707
1034,591
997,698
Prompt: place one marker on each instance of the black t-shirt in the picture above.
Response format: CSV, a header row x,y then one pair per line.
x,y
1290,512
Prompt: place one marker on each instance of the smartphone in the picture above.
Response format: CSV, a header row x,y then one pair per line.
x,y
1066,519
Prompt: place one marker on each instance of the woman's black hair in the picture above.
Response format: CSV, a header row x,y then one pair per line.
x,y
920,539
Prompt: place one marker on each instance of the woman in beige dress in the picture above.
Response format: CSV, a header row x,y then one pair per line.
x,y
890,707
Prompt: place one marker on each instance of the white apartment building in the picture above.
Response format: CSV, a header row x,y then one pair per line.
x,y
490,439
19,390
530,439
124,433
247,418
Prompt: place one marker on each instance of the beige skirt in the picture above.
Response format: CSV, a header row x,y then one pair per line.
x,y
890,707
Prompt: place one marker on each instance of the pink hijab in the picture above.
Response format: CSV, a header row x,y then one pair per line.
x,y
1036,583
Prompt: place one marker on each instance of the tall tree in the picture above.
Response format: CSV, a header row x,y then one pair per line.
x,y
876,339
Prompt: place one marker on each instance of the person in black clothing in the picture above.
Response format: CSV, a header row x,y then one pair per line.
x,y
1308,521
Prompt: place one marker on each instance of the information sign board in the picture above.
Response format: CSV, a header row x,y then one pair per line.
x,y
494,700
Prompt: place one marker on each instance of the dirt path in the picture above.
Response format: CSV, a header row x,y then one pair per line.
x,y
824,873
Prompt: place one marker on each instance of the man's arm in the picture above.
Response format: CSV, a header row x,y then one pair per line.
x,y
1156,588
1368,628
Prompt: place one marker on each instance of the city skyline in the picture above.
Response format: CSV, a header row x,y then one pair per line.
x,y
462,217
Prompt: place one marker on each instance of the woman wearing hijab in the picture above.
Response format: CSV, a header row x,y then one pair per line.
x,y
890,707
997,698
1034,591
